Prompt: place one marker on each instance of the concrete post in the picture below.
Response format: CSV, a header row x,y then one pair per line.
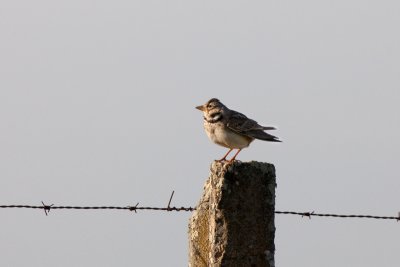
x,y
233,224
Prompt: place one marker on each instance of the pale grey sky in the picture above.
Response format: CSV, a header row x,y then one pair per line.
x,y
97,107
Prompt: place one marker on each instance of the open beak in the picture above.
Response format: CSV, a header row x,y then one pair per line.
x,y
200,108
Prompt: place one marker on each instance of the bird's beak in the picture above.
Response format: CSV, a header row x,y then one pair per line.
x,y
200,108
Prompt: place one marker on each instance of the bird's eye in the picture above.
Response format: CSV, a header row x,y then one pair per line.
x,y
209,106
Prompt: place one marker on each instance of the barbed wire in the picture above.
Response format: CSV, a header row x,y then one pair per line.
x,y
310,214
135,208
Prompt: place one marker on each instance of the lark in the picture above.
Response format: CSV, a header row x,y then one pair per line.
x,y
231,129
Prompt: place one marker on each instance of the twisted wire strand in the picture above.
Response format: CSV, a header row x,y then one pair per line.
x,y
136,208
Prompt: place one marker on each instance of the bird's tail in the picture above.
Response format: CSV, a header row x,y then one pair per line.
x,y
268,128
261,135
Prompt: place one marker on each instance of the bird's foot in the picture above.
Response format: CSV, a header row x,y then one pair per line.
x,y
231,161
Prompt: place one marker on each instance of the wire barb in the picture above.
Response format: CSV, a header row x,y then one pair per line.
x,y
308,214
133,208
169,202
46,208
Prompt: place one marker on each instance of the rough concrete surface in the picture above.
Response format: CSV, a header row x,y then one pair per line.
x,y
233,224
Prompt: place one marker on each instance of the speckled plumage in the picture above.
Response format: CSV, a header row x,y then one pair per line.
x,y
230,128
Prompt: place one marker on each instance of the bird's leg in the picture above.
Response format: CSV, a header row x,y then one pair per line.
x,y
232,159
224,158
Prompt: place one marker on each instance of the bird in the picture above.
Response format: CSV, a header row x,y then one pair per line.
x,y
232,129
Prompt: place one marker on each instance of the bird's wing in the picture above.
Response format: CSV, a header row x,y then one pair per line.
x,y
239,123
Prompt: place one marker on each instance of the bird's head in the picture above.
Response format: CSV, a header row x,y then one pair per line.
x,y
213,109
211,106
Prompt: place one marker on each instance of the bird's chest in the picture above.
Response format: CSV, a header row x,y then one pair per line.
x,y
221,135
215,131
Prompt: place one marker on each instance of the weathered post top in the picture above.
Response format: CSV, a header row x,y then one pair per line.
x,y
233,224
